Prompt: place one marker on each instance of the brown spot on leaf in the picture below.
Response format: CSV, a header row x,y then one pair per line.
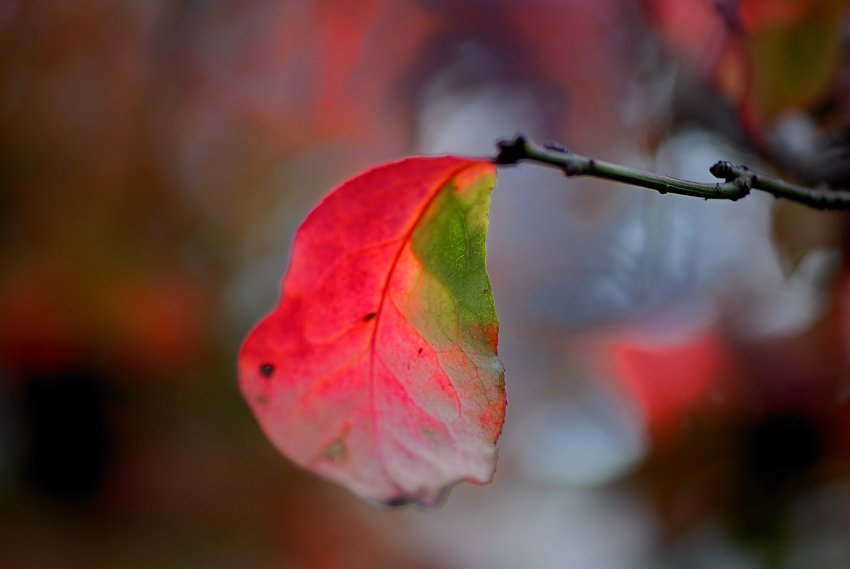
x,y
420,351
369,316
267,370
400,501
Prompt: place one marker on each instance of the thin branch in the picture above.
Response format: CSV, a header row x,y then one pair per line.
x,y
737,180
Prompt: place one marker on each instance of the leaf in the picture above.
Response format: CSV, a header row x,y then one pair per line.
x,y
378,369
794,48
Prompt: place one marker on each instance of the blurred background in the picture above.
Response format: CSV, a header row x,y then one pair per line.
x,y
678,371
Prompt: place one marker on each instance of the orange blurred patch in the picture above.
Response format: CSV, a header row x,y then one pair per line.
x,y
36,336
763,14
157,325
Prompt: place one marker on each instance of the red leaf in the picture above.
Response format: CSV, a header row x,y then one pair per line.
x,y
378,369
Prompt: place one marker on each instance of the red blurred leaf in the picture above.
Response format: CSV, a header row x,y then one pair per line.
x,y
378,369
693,29
769,56
794,47
670,382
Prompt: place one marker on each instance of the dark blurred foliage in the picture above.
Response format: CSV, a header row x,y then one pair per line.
x,y
747,430
70,446
157,156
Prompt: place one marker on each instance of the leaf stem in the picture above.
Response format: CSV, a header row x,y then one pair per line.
x,y
737,180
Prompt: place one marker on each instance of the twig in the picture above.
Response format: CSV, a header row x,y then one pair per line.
x,y
737,180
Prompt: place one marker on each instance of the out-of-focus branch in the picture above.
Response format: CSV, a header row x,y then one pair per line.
x,y
737,180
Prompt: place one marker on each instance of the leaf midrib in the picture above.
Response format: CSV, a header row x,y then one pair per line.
x,y
380,309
